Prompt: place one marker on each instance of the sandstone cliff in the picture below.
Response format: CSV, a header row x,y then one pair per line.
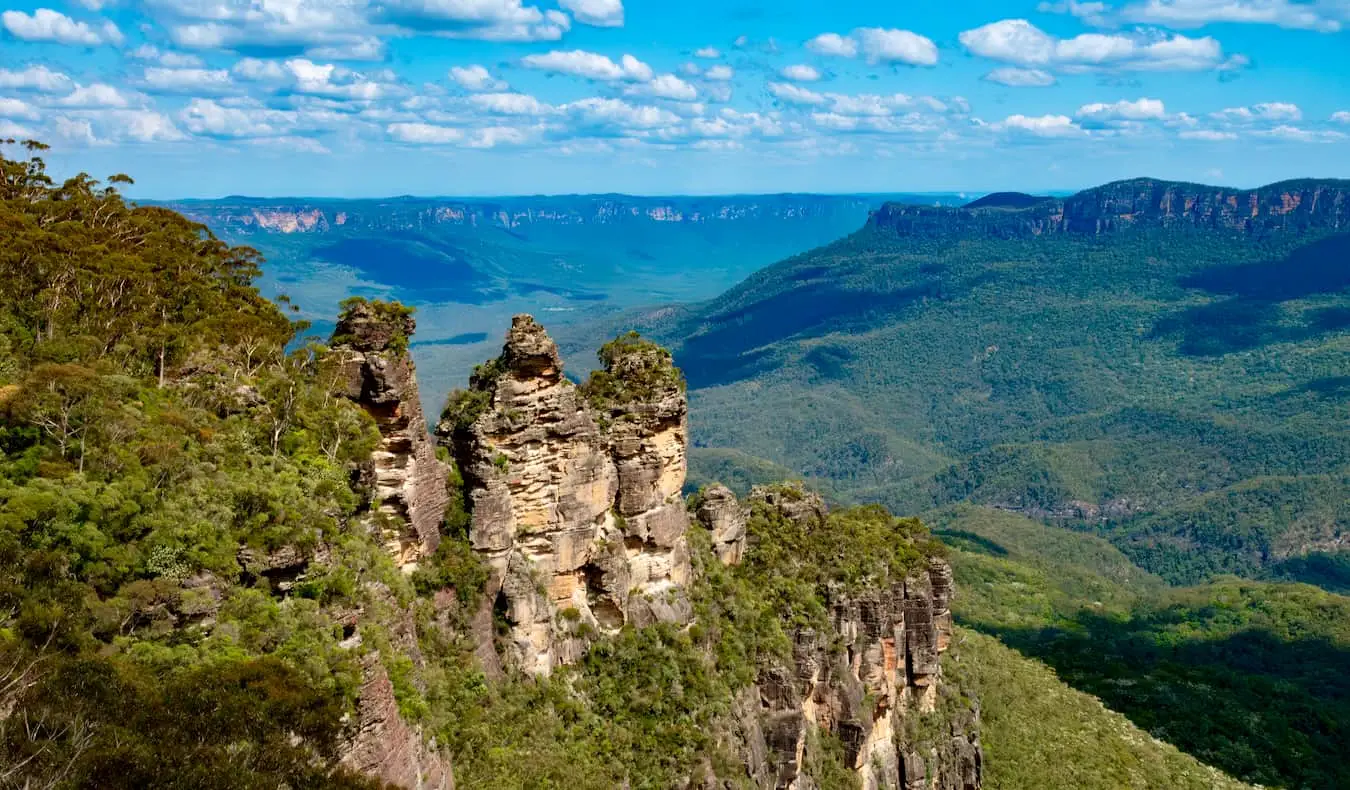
x,y
574,492
408,483
871,676
1144,203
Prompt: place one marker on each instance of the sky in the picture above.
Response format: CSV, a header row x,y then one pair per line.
x,y
367,98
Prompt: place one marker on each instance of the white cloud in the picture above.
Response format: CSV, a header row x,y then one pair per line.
x,y
257,70
1298,135
97,95
199,81
589,65
475,78
36,78
719,73
881,45
77,131
598,115
1021,78
172,60
601,13
1327,16
794,94
707,52
666,86
1341,117
800,72
327,79
45,24
488,20
1138,110
118,125
510,104
1265,111
9,129
1093,13
1041,126
833,44
424,133
17,108
212,119
1021,43
1207,135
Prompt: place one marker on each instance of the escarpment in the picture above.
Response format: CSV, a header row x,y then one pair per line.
x,y
867,671
574,493
407,481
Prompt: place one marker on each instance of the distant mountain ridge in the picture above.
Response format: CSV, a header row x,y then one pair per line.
x,y
1134,203
307,215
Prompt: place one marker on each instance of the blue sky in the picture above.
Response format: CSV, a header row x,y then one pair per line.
x,y
352,98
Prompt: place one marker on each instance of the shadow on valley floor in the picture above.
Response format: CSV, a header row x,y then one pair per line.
x,y
1261,706
1253,316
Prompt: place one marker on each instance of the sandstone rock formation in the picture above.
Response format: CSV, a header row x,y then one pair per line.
x,y
370,347
385,747
724,517
873,678
574,493
1286,207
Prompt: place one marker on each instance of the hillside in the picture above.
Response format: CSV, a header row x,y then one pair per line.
x,y
1161,363
468,265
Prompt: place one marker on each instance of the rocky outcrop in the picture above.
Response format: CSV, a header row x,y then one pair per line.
x,y
408,483
724,518
382,745
574,496
1143,203
873,678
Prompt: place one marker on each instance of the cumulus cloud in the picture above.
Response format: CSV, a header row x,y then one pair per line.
x,y
488,20
878,45
590,65
833,44
1018,42
202,82
45,24
719,73
13,130
1327,17
1021,78
800,72
1341,117
36,78
882,45
707,52
212,119
666,86
1207,135
510,104
601,13
17,108
475,78
1299,135
1138,110
609,116
424,133
94,127
795,94
1053,126
172,60
1093,13
1266,111
96,95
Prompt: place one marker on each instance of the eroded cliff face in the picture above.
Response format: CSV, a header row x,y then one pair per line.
x,y
407,481
873,677
1287,207
574,496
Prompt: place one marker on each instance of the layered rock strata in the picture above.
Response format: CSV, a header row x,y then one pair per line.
x,y
574,492
873,678
408,482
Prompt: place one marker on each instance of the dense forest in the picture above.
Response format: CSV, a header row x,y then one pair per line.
x,y
1173,382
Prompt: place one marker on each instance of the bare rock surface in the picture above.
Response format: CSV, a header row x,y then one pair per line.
x,y
574,496
408,482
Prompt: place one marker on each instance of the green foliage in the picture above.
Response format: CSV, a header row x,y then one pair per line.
x,y
1197,667
634,371
464,407
1131,382
390,315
